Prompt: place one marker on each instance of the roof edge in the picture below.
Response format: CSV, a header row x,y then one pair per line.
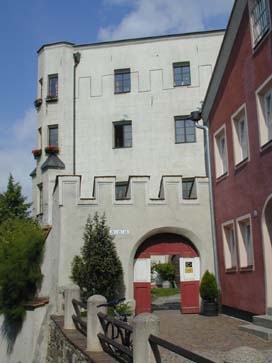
x,y
223,57
130,40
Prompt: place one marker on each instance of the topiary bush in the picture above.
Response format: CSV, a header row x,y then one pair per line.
x,y
98,269
208,287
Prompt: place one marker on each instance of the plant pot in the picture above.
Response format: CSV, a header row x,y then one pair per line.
x,y
37,153
210,308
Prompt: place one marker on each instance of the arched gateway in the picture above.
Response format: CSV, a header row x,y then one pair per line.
x,y
189,266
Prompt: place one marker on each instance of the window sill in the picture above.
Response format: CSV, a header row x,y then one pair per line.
x,y
122,147
222,177
50,99
185,142
231,270
242,163
260,42
121,93
266,146
246,268
182,85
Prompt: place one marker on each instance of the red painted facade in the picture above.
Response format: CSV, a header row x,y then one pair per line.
x,y
245,189
173,245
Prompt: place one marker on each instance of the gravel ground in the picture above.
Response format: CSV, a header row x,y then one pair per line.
x,y
211,337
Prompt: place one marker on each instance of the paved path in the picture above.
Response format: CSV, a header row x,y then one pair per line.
x,y
208,336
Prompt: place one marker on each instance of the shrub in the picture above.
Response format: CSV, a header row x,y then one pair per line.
x,y
21,251
165,270
98,270
208,287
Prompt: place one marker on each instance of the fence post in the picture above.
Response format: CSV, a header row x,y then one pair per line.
x,y
144,325
244,355
70,292
93,323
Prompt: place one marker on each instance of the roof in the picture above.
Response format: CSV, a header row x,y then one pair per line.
x,y
52,162
132,40
223,57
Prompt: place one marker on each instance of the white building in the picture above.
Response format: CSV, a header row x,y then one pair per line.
x,y
117,115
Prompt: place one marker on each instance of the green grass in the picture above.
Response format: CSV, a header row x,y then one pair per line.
x,y
161,292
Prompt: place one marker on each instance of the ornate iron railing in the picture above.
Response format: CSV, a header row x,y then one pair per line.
x,y
80,324
155,342
116,339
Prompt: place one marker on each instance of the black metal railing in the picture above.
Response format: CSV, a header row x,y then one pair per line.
x,y
116,339
80,309
156,342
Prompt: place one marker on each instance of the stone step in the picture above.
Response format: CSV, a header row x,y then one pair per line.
x,y
259,331
263,320
269,311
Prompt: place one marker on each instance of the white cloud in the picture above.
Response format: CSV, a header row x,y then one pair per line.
x,y
155,17
15,152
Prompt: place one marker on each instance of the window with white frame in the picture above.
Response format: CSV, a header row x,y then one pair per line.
x,y
260,23
240,135
220,152
229,245
264,111
245,242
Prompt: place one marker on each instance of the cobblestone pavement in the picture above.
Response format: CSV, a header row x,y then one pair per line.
x,y
211,337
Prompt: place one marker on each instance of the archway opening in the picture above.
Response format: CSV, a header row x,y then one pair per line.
x,y
177,252
267,240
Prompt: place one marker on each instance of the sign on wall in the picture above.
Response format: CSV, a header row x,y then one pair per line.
x,y
119,232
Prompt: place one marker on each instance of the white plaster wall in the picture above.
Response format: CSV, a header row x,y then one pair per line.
x,y
151,106
140,216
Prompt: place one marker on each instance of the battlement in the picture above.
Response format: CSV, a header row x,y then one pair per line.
x,y
170,191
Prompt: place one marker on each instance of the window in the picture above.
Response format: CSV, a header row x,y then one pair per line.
x,y
53,86
39,138
40,198
264,109
182,74
220,148
184,130
245,243
240,135
53,135
122,134
189,189
122,80
41,87
259,11
121,190
229,244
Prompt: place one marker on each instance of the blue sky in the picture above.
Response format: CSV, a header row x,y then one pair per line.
x,y
27,24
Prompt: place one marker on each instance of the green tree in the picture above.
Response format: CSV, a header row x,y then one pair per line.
x,y
98,270
21,251
208,287
13,203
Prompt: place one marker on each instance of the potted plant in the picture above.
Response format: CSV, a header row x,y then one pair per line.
x,y
209,293
51,149
37,153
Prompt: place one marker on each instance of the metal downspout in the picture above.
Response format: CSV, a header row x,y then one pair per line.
x,y
76,63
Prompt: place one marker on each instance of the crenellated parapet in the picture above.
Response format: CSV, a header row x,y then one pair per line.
x,y
170,191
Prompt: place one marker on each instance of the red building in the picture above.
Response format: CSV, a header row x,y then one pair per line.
x,y
238,111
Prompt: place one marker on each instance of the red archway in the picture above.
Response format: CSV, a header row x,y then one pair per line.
x,y
167,244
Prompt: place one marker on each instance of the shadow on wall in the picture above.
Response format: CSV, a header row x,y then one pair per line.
x,y
10,330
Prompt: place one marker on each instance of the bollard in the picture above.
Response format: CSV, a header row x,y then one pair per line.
x,y
144,325
93,323
70,292
244,355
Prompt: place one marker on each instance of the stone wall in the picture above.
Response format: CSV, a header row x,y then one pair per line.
x,y
61,350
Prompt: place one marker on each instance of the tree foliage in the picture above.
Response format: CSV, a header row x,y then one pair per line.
x,y
98,269
165,270
12,202
21,250
208,287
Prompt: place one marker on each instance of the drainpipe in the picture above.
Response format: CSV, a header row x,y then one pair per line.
x,y
76,63
196,116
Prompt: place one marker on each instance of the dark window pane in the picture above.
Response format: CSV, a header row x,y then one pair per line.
x,y
122,81
182,75
185,130
53,136
120,190
123,135
53,86
189,189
